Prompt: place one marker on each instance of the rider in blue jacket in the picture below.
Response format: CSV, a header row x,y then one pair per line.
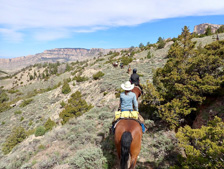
x,y
128,101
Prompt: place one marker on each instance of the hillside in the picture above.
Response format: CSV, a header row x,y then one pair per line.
x,y
83,142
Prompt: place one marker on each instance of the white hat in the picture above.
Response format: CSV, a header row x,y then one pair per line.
x,y
127,86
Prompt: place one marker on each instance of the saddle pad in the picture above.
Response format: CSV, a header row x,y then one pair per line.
x,y
126,114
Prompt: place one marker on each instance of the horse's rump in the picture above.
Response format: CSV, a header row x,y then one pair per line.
x,y
137,90
124,129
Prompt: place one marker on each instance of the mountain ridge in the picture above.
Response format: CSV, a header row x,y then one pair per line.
x,y
54,55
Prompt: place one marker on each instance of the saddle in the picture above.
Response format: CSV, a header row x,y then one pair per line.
x,y
126,114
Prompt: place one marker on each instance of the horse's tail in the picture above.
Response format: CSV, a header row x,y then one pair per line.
x,y
126,140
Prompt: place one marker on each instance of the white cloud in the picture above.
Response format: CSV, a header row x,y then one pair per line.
x,y
50,34
67,16
11,35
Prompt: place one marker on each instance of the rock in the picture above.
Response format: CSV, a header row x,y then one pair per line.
x,y
13,105
200,29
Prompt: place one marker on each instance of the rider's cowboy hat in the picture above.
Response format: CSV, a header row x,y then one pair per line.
x,y
127,86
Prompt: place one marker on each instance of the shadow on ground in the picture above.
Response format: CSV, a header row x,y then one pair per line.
x,y
109,151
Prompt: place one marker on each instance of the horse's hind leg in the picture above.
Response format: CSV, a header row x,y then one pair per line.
x,y
118,147
135,149
133,162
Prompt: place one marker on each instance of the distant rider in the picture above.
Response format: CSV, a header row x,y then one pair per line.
x,y
134,79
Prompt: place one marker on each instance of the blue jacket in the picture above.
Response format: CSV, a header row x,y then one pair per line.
x,y
127,101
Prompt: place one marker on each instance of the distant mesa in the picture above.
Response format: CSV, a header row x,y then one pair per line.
x,y
53,55
200,29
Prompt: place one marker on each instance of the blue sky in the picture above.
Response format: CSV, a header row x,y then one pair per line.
x,y
30,27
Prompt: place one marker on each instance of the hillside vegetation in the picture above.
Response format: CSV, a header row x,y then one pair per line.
x,y
58,115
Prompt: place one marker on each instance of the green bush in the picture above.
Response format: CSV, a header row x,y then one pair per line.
x,y
40,131
66,88
41,147
203,147
149,55
30,132
98,75
118,92
62,104
4,106
90,158
161,43
80,78
208,31
126,60
221,29
18,112
30,123
31,77
49,124
13,91
25,102
76,107
68,80
3,96
17,135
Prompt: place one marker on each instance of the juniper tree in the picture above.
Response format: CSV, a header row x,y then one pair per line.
x,y
185,80
141,45
221,29
208,31
185,40
161,43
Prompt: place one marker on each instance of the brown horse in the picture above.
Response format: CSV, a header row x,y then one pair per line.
x,y
115,64
137,91
128,136
129,69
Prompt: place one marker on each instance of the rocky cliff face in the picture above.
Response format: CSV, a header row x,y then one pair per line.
x,y
200,29
53,55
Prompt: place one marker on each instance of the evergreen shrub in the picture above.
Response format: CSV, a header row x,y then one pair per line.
x,y
203,147
126,60
66,88
62,104
98,75
49,124
80,78
40,131
3,96
187,78
17,135
18,112
161,43
25,102
76,107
